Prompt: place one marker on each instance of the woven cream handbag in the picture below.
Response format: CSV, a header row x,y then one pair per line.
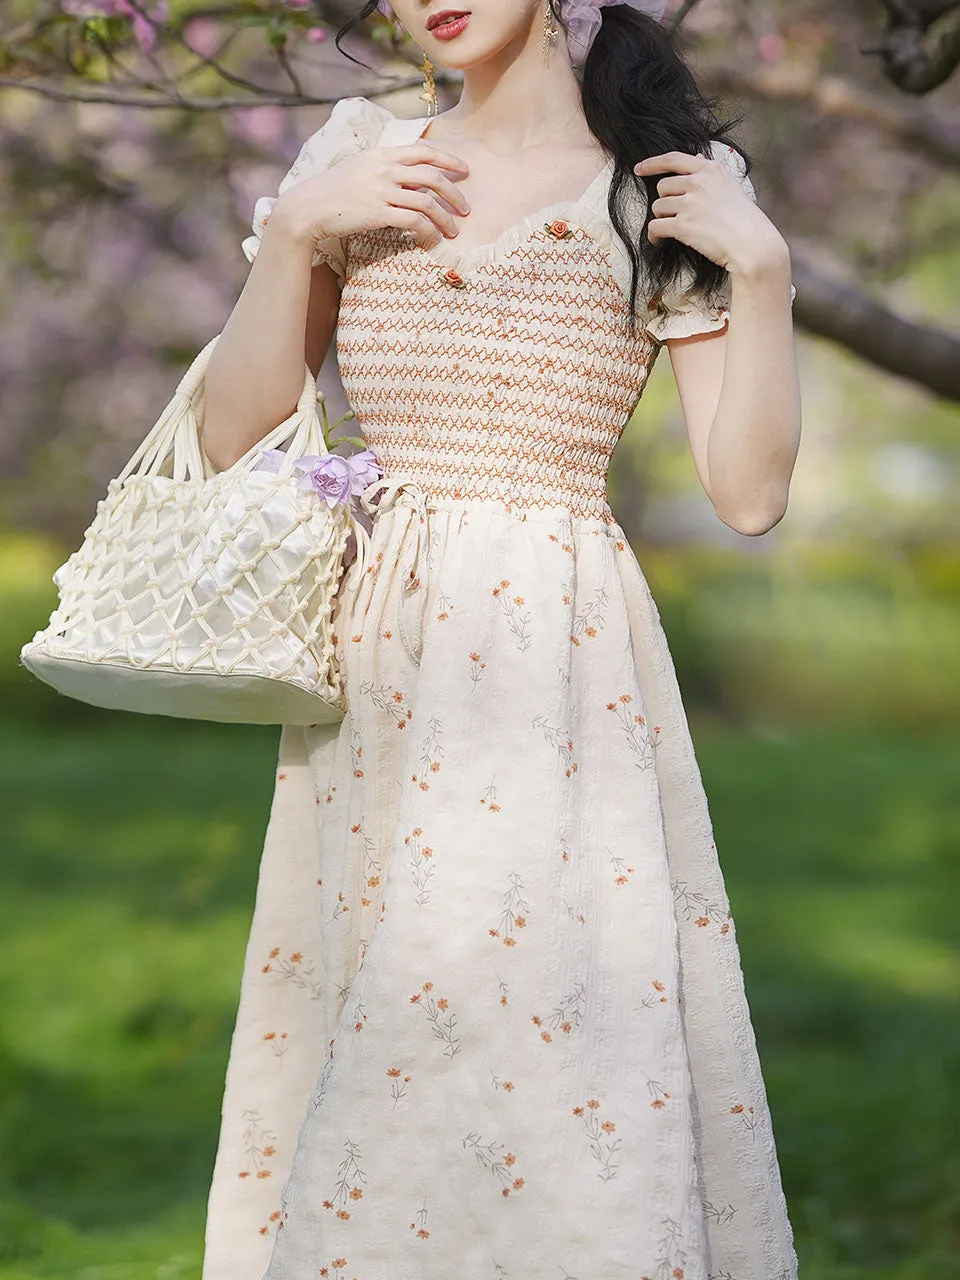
x,y
202,594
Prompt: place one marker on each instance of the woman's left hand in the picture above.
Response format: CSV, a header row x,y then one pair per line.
x,y
704,205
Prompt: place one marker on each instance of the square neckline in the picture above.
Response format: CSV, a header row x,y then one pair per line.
x,y
448,253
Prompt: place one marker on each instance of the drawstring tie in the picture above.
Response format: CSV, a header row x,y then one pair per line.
x,y
395,490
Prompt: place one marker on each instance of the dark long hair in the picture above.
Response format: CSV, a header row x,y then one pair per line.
x,y
640,98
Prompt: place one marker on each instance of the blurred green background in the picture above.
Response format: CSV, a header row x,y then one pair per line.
x,y
820,664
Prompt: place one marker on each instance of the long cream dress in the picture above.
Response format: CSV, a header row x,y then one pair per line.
x,y
492,1023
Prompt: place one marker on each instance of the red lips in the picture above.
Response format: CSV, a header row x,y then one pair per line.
x,y
444,16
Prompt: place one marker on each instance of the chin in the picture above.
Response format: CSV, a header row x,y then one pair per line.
x,y
471,49
466,54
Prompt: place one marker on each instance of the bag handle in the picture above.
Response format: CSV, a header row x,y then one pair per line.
x,y
178,430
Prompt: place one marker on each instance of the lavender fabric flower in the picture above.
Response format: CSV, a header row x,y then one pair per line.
x,y
365,469
332,477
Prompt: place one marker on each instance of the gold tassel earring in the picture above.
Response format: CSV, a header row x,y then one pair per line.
x,y
429,95
550,30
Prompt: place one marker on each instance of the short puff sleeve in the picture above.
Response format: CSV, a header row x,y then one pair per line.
x,y
353,125
679,317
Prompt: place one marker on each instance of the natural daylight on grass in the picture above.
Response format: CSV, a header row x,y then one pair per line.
x,y
128,875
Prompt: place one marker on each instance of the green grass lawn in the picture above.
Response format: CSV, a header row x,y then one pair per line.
x,y
128,872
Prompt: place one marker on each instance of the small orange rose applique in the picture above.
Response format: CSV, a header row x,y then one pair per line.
x,y
559,228
451,276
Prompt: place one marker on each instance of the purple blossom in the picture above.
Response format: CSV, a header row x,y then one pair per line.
x,y
334,478
365,469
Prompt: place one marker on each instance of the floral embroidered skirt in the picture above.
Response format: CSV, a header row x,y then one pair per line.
x,y
492,1022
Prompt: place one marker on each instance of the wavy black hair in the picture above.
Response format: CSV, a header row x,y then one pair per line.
x,y
640,98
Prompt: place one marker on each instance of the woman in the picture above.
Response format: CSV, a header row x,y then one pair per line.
x,y
493,1022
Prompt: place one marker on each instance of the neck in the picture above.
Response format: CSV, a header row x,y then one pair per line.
x,y
502,102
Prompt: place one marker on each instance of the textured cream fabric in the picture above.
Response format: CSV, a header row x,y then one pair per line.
x,y
493,1023
200,594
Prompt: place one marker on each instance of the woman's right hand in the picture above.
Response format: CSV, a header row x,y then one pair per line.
x,y
378,188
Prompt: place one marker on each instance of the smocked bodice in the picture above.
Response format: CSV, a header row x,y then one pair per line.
x,y
512,379
504,371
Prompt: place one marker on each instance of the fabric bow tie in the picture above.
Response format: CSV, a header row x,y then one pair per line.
x,y
583,22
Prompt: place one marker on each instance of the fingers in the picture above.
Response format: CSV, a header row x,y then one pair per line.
x,y
661,229
670,161
418,224
675,186
420,212
666,206
428,175
417,152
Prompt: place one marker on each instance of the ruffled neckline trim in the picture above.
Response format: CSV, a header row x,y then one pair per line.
x,y
583,212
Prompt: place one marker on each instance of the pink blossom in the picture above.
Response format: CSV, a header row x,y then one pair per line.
x,y
201,36
144,31
262,125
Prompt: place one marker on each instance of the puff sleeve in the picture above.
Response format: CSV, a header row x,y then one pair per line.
x,y
353,125
679,317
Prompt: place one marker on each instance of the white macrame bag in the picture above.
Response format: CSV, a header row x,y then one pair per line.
x,y
201,594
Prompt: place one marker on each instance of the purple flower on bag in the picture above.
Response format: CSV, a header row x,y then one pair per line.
x,y
332,477
329,476
365,469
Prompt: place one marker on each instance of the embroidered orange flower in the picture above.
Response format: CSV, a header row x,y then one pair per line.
x,y
450,275
559,228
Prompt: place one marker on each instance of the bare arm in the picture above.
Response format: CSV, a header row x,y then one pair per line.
x,y
286,313
288,309
740,393
739,387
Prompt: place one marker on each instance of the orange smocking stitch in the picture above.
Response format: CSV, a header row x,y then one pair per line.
x,y
514,385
